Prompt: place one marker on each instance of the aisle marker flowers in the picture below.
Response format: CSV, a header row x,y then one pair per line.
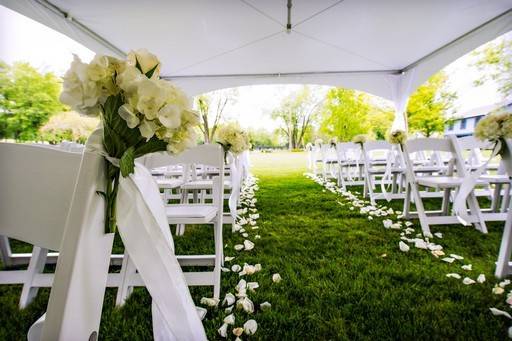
x,y
140,113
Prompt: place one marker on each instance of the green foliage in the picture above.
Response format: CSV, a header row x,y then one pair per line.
x,y
27,100
429,105
345,114
296,114
261,138
495,60
211,106
380,121
68,126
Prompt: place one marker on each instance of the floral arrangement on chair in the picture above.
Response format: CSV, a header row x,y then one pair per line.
x,y
309,146
495,127
318,143
140,113
397,137
233,138
361,138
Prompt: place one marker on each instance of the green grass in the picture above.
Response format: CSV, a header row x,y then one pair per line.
x,y
336,285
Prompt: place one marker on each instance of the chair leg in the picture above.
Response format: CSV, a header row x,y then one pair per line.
x,y
125,290
35,267
369,187
5,251
477,212
495,203
407,202
505,202
218,256
503,265
425,227
446,201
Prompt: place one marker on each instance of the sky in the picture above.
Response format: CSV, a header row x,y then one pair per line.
x,y
22,39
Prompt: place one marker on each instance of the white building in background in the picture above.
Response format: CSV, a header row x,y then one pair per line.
x,y
464,124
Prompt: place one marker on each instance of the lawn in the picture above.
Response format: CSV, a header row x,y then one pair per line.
x,y
336,282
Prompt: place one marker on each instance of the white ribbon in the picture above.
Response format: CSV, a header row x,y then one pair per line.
x,y
235,185
468,183
143,227
387,173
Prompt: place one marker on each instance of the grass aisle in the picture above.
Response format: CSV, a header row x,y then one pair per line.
x,y
335,283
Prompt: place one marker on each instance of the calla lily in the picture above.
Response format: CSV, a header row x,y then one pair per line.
x,y
250,327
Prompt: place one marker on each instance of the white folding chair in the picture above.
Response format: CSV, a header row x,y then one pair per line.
x,y
350,164
504,265
378,156
447,182
60,216
210,155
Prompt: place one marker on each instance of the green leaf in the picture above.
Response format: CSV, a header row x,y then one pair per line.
x,y
103,194
150,73
152,146
127,162
137,65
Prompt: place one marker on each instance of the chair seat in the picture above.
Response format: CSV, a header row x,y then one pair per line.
x,y
383,170
169,183
203,184
496,178
439,181
190,213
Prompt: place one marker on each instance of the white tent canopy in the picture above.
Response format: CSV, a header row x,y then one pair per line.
x,y
386,48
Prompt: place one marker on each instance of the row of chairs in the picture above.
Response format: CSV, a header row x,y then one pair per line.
x,y
36,190
424,168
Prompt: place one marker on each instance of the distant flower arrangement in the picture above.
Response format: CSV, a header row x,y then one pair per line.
x,y
495,127
397,137
140,113
333,141
309,146
318,143
361,138
233,138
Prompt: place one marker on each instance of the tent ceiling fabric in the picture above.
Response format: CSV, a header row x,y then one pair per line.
x,y
205,45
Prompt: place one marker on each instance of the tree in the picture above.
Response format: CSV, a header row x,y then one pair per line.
x,y
380,121
345,114
27,100
262,138
429,106
296,113
68,126
211,110
495,60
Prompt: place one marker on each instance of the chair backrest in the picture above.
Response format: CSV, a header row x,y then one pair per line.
x,y
347,151
471,148
36,188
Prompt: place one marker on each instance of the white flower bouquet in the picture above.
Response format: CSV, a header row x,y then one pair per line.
x,y
333,141
361,138
233,138
495,127
140,113
397,137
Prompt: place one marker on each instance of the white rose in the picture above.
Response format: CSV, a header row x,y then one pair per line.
x,y
127,113
146,60
147,129
151,98
170,116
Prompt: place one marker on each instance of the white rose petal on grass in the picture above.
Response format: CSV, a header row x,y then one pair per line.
x,y
250,327
246,304
467,267
456,256
230,319
265,306
448,260
248,245
223,330
276,278
497,312
403,247
438,235
223,269
201,312
453,275
481,278
228,259
387,223
229,299
408,223
437,253
210,302
497,290
236,268
420,244
245,235
468,281
238,331
239,247
504,283
252,286
229,310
